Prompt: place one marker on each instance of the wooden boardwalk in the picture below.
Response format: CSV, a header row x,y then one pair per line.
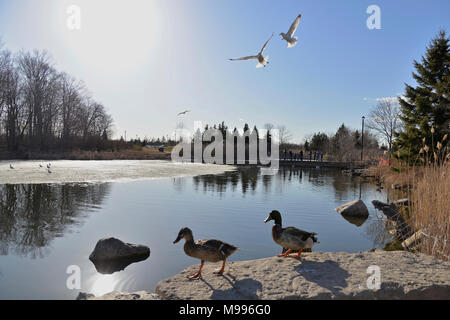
x,y
320,164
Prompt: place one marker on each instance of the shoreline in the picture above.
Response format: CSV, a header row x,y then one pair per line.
x,y
86,155
317,275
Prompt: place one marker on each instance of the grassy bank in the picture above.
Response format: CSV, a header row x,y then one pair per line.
x,y
127,154
427,186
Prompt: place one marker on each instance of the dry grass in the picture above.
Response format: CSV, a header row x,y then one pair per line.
x,y
430,210
397,174
129,154
427,185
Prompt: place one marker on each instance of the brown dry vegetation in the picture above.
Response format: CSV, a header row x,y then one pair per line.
x,y
128,154
140,153
430,210
427,186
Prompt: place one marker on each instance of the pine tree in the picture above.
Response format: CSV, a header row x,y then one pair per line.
x,y
426,105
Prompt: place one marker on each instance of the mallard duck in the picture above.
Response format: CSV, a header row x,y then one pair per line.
x,y
206,250
290,238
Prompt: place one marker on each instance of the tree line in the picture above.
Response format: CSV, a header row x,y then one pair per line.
x,y
43,109
344,145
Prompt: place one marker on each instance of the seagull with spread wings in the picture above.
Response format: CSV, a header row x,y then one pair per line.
x,y
289,37
184,112
262,61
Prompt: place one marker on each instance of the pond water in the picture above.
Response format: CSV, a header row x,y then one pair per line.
x,y
45,228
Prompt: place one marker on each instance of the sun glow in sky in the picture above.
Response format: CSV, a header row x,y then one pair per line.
x,y
147,60
113,39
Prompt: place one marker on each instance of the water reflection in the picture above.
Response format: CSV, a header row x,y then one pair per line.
x,y
321,181
357,221
250,179
102,284
229,206
32,215
113,265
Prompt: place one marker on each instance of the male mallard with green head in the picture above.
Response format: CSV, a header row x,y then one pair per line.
x,y
206,250
290,238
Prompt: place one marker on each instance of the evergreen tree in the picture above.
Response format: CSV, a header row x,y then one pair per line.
x,y
319,142
357,138
306,145
426,105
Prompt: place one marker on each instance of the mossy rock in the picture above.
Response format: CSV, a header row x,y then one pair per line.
x,y
395,245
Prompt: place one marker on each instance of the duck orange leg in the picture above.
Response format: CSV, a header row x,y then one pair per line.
x,y
220,272
284,255
199,272
296,255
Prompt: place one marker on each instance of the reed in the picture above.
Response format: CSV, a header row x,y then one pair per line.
x,y
430,210
428,181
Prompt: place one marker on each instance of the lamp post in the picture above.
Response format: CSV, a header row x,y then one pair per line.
x,y
362,138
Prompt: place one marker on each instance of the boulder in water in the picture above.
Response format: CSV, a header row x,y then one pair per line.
x,y
355,208
113,249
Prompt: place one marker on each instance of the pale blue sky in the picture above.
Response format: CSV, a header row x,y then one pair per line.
x,y
148,60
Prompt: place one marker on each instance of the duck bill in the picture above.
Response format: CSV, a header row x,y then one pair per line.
x,y
267,220
177,239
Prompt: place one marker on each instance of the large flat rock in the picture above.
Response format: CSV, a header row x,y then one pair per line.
x,y
317,275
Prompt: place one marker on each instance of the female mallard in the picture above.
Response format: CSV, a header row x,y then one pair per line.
x,y
205,250
290,238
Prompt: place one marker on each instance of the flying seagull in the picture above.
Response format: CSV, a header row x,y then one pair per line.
x,y
184,112
289,37
262,61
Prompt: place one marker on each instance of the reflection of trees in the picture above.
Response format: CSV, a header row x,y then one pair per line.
x,y
324,180
32,215
247,177
376,231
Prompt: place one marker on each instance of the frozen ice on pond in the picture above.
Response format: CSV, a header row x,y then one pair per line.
x,y
67,171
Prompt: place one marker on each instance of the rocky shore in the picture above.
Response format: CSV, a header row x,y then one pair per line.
x,y
317,275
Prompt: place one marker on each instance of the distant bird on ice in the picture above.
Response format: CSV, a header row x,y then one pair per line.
x,y
184,112
289,37
262,61
49,171
11,166
48,165
40,165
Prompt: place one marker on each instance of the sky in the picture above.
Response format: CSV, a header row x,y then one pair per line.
x,y
148,60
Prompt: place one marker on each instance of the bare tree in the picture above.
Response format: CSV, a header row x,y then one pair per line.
x,y
284,134
41,108
384,120
268,127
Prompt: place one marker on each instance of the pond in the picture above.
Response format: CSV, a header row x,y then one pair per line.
x,y
45,228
